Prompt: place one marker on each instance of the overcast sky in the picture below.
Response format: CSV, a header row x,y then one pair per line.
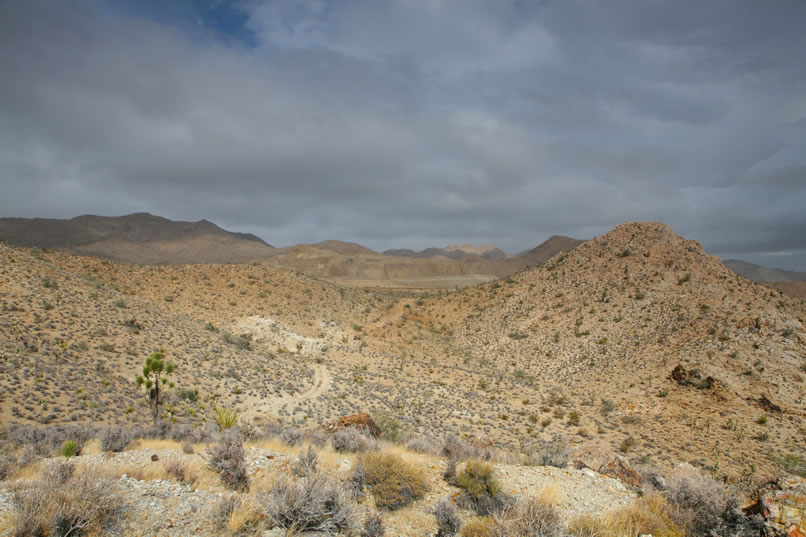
x,y
413,123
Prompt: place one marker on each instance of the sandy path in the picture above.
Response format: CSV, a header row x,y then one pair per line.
x,y
321,383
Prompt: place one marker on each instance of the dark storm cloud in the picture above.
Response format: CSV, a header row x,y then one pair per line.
x,y
413,123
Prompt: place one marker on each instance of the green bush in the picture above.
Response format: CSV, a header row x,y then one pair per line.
x,y
477,479
390,427
69,448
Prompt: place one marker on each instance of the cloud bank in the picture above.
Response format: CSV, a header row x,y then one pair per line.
x,y
413,123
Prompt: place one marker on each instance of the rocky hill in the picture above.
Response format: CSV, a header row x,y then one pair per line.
x,y
137,238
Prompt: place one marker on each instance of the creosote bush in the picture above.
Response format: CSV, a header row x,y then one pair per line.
x,y
227,458
393,482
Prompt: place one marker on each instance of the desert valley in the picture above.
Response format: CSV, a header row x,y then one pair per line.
x,y
636,343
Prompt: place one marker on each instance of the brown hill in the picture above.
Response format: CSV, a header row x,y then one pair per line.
x,y
761,274
138,238
465,252
598,331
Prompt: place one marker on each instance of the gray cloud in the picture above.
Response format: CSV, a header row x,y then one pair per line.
x,y
415,123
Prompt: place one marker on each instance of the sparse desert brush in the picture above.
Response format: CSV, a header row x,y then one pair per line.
x,y
699,501
312,503
227,458
240,515
555,453
479,527
352,440
391,429
649,515
527,517
393,482
483,491
79,504
115,439
448,520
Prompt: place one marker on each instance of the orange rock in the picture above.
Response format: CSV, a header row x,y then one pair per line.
x,y
620,469
360,420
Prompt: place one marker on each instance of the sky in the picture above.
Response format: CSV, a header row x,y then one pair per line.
x,y
413,123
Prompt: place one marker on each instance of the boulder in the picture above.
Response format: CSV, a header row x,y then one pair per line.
x,y
768,405
620,469
360,421
782,503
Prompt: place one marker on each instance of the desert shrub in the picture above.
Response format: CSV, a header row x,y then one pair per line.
x,y
649,515
453,447
699,500
478,479
312,503
291,436
555,453
527,518
115,439
391,429
237,514
393,482
482,489
227,458
82,503
56,472
448,521
69,448
186,394
421,444
7,464
41,441
180,471
306,463
373,526
317,438
187,447
449,475
479,527
352,440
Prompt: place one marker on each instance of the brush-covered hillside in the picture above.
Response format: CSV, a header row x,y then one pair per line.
x,y
586,347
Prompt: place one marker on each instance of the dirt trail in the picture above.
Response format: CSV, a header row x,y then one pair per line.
x,y
321,383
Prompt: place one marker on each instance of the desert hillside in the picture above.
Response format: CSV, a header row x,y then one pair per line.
x,y
583,347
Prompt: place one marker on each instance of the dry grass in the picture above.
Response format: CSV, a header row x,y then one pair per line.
x,y
648,515
550,495
393,482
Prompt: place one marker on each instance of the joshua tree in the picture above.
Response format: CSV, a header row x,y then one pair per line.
x,y
155,373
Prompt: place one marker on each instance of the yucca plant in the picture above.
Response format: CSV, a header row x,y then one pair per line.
x,y
225,418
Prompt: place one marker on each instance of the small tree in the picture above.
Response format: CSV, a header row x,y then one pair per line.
x,y
155,373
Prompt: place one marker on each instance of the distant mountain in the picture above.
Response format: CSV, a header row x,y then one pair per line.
x,y
138,238
466,252
344,248
762,274
548,249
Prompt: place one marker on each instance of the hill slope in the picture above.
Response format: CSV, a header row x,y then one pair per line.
x,y
138,238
